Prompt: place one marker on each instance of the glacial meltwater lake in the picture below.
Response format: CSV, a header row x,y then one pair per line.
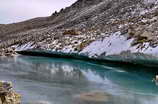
x,y
43,80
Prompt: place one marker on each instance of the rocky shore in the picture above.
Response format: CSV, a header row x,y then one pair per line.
x,y
8,52
7,95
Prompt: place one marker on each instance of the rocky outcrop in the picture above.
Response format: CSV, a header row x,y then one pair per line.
x,y
7,95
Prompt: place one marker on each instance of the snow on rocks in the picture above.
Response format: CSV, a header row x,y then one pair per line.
x,y
29,45
108,44
149,50
115,44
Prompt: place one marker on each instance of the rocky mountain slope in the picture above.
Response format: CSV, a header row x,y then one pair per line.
x,y
91,27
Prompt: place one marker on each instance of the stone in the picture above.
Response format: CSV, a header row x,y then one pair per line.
x,y
8,52
156,78
12,98
7,95
131,32
147,35
5,87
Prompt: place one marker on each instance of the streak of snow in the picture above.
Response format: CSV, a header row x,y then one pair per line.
x,y
25,47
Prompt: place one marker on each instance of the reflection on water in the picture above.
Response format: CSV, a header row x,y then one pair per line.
x,y
59,81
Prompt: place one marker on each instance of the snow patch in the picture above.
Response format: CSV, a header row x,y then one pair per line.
x,y
115,44
150,50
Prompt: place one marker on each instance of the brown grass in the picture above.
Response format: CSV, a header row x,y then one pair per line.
x,y
70,32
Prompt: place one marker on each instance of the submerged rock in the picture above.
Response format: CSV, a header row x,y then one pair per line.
x,y
96,97
7,95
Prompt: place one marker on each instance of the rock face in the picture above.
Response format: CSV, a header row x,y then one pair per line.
x,y
7,95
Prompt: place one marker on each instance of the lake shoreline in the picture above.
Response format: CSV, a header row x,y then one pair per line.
x,y
151,64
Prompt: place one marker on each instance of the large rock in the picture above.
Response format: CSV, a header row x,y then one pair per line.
x,y
7,95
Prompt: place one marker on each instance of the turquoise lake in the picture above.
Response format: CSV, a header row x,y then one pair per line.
x,y
43,80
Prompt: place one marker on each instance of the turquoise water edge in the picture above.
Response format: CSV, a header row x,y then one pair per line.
x,y
59,80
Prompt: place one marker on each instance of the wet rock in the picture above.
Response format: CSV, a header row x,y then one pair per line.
x,y
7,95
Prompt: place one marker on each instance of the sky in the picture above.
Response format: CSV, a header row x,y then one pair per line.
x,y
19,10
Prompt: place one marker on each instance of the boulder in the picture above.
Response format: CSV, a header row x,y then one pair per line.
x,y
147,35
7,95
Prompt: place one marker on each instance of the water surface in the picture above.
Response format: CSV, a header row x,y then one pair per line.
x,y
61,81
